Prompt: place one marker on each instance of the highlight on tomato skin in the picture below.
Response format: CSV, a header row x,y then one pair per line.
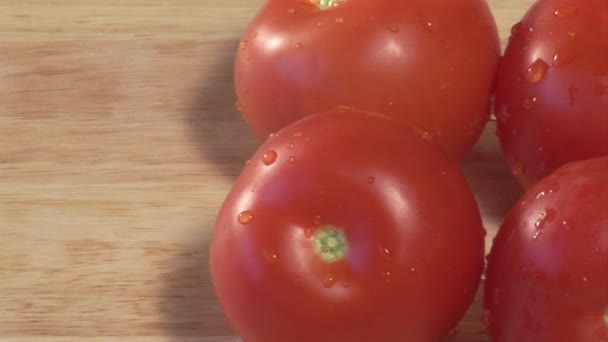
x,y
552,89
431,63
346,226
547,273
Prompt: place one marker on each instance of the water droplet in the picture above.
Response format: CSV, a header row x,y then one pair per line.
x,y
308,233
564,56
393,29
339,20
243,45
422,133
371,180
536,235
518,169
317,220
585,279
430,26
540,195
515,28
389,104
536,71
387,276
297,134
529,103
320,23
245,217
571,34
384,252
329,280
544,217
291,146
568,11
291,160
413,269
291,11
299,45
239,107
485,317
270,257
269,157
565,223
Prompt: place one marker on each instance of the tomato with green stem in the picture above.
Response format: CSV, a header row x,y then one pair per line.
x,y
346,226
428,62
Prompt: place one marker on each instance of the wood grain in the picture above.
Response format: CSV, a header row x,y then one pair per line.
x,y
118,142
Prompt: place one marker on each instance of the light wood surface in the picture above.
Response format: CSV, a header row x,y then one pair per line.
x,y
118,142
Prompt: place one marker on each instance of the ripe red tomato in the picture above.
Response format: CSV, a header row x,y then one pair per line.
x,y
429,62
547,277
347,227
552,92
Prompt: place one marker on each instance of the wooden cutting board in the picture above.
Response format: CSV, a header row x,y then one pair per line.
x,y
118,142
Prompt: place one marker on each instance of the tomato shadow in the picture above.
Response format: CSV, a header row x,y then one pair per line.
x,y
490,178
189,308
213,123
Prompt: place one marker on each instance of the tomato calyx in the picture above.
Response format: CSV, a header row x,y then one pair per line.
x,y
326,4
330,244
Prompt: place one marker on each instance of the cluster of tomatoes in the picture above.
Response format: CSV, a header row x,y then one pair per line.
x,y
353,223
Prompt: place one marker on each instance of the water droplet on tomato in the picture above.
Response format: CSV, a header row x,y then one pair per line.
x,y
536,235
317,220
393,29
517,168
529,102
485,317
571,34
239,107
308,233
413,269
329,280
270,257
371,180
291,146
269,157
320,23
540,195
536,71
564,56
384,252
248,162
387,276
291,11
564,12
297,134
339,20
291,160
515,28
243,45
299,45
244,217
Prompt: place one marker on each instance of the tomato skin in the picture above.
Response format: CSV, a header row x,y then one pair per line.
x,y
409,273
428,62
547,276
552,89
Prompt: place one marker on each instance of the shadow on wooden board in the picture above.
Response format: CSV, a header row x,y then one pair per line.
x,y
189,306
214,123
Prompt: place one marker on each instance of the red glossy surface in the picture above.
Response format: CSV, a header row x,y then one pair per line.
x,y
413,230
430,62
547,277
552,93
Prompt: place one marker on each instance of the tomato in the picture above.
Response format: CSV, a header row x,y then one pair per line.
x,y
428,62
552,92
547,277
347,227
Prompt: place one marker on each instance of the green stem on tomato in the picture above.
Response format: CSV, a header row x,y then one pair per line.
x,y
326,4
329,243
